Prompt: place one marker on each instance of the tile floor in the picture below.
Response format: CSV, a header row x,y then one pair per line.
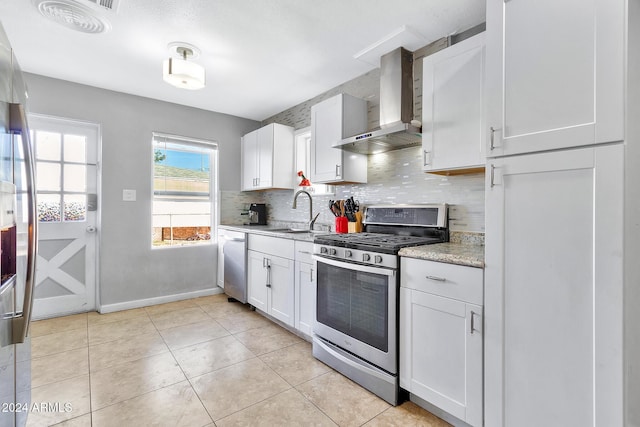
x,y
199,362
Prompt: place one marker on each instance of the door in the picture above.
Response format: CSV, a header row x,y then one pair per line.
x,y
453,106
356,309
265,156
281,281
555,74
257,280
443,340
67,193
249,160
553,289
305,294
326,125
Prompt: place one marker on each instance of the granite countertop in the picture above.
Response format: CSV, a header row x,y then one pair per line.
x,y
452,253
274,231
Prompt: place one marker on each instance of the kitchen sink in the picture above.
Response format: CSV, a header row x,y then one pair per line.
x,y
294,230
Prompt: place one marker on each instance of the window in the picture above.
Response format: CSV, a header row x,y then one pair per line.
x,y
66,171
184,190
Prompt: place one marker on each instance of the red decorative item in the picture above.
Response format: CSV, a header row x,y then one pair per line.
x,y
305,182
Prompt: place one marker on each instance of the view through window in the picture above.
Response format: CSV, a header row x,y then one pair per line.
x,y
184,196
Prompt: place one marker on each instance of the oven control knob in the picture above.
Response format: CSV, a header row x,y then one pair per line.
x,y
377,259
366,257
323,250
332,251
348,254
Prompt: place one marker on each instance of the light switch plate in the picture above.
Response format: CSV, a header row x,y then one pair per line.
x,y
128,195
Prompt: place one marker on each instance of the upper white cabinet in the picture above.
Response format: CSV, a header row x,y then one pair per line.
x,y
332,120
555,74
267,158
453,102
441,336
554,289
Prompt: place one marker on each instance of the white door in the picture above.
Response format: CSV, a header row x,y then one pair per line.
x,y
281,288
66,155
443,339
553,289
257,280
452,107
555,74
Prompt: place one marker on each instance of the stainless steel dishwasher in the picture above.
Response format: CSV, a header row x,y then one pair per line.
x,y
233,245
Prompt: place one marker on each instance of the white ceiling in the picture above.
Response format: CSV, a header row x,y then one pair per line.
x,y
261,56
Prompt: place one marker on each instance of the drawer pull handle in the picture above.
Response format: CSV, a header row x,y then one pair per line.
x,y
436,278
305,252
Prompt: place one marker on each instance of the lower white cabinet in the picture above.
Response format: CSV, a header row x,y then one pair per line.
x,y
305,288
271,278
441,336
555,297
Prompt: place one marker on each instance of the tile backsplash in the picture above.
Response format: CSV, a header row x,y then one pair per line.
x,y
394,177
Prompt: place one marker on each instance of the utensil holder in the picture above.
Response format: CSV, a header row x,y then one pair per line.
x,y
342,224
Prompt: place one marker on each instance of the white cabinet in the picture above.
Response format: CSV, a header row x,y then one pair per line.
x,y
270,276
305,288
267,158
453,128
555,74
332,120
554,287
441,332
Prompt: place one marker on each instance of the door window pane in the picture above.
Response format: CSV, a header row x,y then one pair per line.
x,y
49,208
75,148
48,176
75,178
75,207
48,145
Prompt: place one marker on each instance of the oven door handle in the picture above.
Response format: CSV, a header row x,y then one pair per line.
x,y
354,266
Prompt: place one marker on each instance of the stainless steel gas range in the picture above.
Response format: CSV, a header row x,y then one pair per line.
x,y
358,278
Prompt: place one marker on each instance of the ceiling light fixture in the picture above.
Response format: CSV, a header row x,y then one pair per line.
x,y
181,73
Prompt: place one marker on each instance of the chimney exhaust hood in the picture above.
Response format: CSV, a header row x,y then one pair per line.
x,y
397,129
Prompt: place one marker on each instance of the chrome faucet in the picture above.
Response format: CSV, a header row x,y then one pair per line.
x,y
312,219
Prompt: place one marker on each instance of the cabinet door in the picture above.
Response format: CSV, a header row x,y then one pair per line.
x,y
555,74
264,172
281,291
553,295
441,339
453,106
305,297
249,150
257,280
326,129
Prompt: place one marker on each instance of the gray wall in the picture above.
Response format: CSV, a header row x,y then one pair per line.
x,y
129,269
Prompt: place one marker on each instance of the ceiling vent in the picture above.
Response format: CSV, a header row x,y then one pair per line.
x,y
107,4
74,15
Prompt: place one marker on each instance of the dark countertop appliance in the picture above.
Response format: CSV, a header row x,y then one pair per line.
x,y
358,281
258,214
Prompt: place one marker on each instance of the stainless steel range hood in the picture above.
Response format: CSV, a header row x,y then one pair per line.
x,y
396,109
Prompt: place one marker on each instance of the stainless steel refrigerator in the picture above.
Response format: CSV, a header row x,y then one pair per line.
x,y
17,243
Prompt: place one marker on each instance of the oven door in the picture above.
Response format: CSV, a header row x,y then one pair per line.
x,y
356,310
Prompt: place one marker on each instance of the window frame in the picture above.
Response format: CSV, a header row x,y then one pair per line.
x,y
176,197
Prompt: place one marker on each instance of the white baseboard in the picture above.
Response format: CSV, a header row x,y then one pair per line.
x,y
110,308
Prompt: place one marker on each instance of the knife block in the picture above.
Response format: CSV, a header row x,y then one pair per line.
x,y
354,227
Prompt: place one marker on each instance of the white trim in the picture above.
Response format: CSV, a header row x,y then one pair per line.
x,y
119,306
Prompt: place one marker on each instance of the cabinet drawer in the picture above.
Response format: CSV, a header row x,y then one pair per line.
x,y
448,280
271,245
304,251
